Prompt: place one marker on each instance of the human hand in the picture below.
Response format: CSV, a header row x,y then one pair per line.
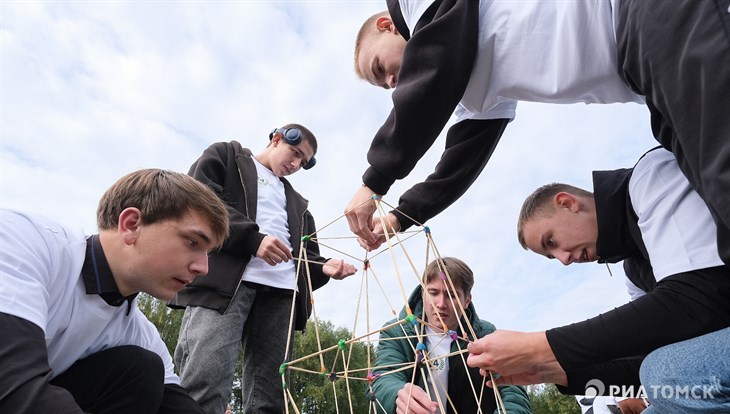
x,y
510,353
551,373
632,406
392,224
273,251
359,214
419,403
338,269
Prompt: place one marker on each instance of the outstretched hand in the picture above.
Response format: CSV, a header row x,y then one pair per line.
x,y
551,373
338,269
359,213
511,353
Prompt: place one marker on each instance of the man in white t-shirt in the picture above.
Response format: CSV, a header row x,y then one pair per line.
x,y
435,334
650,217
74,339
254,282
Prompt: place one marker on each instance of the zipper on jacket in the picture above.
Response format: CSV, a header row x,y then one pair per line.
x,y
306,286
245,196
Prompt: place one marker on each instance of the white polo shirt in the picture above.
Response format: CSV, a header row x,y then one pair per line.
x,y
676,226
40,281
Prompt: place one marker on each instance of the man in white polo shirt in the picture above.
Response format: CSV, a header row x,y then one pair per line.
x,y
650,217
74,339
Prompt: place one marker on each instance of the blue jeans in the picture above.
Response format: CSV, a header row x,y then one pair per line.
x,y
207,350
691,376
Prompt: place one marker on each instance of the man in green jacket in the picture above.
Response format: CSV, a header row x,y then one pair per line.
x,y
433,339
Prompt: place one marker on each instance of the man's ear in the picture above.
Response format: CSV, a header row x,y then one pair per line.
x,y
567,200
385,24
130,220
467,301
276,139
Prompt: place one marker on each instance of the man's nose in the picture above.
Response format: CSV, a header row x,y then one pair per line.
x,y
391,81
199,267
441,301
565,258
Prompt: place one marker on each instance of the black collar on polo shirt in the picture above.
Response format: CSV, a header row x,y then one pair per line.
x,y
98,278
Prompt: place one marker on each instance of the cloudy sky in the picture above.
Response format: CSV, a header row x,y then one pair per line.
x,y
93,90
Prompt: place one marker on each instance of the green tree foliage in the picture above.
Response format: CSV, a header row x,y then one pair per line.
x,y
315,393
166,320
546,399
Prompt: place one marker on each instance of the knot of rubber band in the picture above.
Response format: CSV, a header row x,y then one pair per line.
x,y
454,336
421,346
342,344
426,229
306,238
333,377
282,369
411,318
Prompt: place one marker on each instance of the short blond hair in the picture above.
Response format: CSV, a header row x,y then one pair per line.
x,y
368,28
162,195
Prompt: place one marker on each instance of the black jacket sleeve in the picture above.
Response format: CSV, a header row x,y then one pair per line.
x,y
215,168
25,381
623,372
437,63
469,145
682,306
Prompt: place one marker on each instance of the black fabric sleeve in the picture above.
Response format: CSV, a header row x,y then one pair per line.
x,y
215,168
682,306
176,400
469,145
435,70
25,381
622,372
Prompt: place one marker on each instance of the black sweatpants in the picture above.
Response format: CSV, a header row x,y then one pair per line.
x,y
677,54
120,380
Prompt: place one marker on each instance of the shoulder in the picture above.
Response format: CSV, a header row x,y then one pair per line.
x,y
293,194
482,327
21,231
657,158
